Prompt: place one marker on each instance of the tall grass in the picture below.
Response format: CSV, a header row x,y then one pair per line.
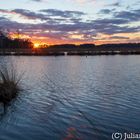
x,y
9,84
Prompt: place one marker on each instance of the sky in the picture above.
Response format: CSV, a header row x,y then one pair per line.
x,y
72,21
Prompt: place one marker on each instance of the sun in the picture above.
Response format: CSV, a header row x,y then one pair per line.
x,y
36,45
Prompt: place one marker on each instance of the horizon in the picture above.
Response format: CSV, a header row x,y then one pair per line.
x,y
73,22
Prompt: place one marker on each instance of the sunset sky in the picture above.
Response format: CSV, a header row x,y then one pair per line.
x,y
72,21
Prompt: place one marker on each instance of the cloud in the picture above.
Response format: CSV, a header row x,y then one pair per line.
x,y
61,25
65,14
29,14
115,4
133,15
105,11
110,21
50,15
118,37
3,19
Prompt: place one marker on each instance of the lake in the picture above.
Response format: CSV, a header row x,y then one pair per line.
x,y
73,98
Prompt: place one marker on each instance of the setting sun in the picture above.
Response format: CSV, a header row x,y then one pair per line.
x,y
36,45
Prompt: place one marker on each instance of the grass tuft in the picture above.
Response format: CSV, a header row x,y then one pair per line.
x,y
9,84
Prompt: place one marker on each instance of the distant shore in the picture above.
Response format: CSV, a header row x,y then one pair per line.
x,y
71,49
59,52
18,46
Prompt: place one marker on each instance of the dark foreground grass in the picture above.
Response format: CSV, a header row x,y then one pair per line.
x,y
9,85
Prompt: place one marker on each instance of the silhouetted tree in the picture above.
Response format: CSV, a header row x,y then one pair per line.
x,y
7,42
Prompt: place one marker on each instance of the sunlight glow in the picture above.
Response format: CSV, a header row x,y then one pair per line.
x,y
36,45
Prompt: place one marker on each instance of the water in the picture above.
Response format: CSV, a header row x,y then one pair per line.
x,y
74,98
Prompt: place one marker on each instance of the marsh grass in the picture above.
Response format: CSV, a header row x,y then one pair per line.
x,y
9,84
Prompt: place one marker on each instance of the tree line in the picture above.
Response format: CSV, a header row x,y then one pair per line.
x,y
6,42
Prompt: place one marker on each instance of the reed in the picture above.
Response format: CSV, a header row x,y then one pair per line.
x,y
9,84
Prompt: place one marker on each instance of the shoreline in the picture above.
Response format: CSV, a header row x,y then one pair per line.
x,y
82,53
